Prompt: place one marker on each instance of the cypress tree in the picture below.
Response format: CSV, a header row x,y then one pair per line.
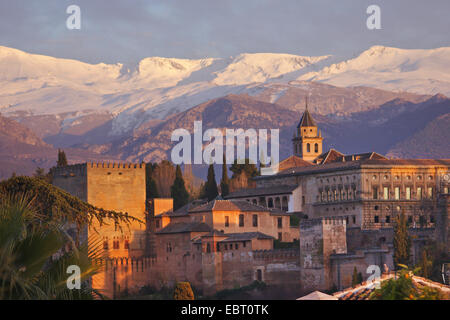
x,y
354,277
150,183
402,242
178,190
225,182
211,191
62,159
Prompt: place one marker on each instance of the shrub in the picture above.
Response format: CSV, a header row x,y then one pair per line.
x,y
183,291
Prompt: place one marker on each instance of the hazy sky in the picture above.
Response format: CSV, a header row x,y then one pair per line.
x,y
129,30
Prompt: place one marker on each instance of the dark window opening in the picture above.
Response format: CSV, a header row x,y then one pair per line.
x,y
241,220
255,220
259,275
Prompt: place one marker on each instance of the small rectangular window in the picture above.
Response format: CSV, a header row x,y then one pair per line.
x,y
408,193
227,221
419,193
430,192
386,193
377,219
255,220
375,193
241,220
397,193
280,222
388,219
280,236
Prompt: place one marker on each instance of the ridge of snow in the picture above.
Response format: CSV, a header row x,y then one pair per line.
x,y
158,86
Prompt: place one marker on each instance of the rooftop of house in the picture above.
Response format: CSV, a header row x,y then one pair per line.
x,y
363,290
235,205
185,228
365,161
293,162
234,237
264,191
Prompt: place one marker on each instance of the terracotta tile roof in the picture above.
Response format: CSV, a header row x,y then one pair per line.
x,y
330,156
234,237
185,227
265,191
184,210
363,290
293,162
229,205
244,236
357,164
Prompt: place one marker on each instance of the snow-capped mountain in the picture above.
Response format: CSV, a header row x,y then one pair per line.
x,y
419,71
73,92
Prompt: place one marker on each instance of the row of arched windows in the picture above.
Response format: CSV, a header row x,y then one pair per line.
x,y
308,148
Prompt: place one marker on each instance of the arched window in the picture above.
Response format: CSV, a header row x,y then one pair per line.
x,y
316,147
308,147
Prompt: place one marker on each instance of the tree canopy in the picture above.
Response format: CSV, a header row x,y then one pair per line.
x,y
178,190
57,204
210,188
402,241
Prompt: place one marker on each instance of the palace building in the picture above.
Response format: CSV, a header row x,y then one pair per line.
x,y
303,229
367,190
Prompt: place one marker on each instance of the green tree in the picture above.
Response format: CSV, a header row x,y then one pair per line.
x,y
39,173
403,288
35,253
62,159
57,205
183,291
425,265
355,281
360,277
224,182
178,190
210,190
249,168
402,241
150,183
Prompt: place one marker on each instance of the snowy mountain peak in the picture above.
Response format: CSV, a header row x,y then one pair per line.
x,y
160,86
259,67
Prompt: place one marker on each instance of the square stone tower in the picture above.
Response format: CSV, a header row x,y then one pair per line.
x,y
307,140
319,239
111,186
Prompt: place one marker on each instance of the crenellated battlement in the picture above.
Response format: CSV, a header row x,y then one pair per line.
x,y
80,169
114,165
310,223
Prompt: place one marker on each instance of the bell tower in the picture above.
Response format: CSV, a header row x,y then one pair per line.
x,y
307,140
